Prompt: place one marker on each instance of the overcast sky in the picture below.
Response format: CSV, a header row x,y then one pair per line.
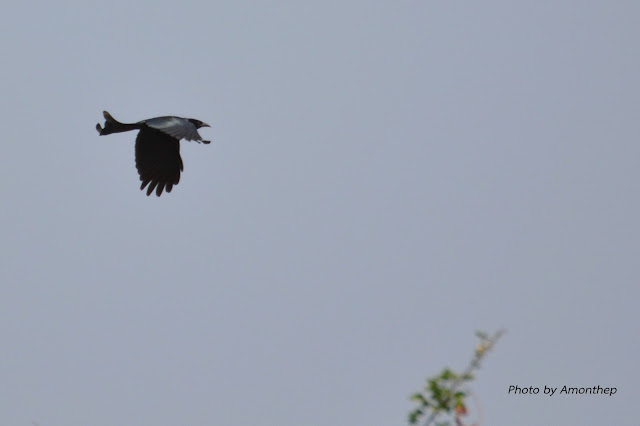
x,y
384,178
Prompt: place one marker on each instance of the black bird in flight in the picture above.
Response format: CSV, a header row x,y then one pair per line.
x,y
157,147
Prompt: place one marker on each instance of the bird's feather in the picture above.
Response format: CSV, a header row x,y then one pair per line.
x,y
179,128
158,160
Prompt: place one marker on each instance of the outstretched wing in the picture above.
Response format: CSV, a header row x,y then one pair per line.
x,y
158,160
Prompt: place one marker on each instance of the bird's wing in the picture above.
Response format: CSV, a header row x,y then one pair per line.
x,y
179,128
158,160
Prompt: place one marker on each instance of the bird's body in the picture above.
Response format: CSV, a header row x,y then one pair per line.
x,y
157,147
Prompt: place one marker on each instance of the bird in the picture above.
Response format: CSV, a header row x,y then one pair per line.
x,y
157,147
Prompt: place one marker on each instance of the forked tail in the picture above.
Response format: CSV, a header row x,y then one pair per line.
x,y
111,125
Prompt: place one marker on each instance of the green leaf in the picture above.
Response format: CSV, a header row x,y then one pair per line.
x,y
447,374
414,416
418,397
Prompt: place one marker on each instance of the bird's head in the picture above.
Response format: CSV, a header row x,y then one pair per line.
x,y
198,123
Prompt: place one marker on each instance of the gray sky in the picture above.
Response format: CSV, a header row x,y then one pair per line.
x,y
384,179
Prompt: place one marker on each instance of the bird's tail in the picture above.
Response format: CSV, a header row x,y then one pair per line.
x,y
111,125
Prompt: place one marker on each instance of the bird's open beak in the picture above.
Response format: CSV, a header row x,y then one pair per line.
x,y
204,125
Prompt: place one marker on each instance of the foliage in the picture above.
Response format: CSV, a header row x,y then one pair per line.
x,y
443,394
